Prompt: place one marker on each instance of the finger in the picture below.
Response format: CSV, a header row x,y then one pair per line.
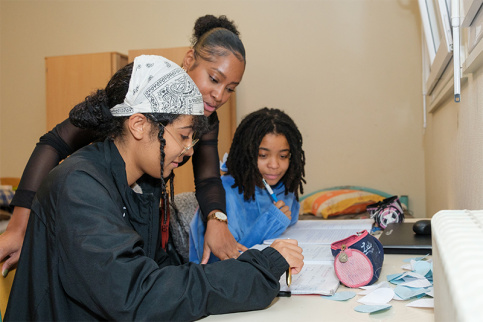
x,y
9,264
279,204
206,255
296,270
294,256
241,247
289,241
3,255
234,252
5,269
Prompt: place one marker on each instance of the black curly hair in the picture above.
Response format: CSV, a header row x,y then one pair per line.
x,y
242,162
216,36
94,114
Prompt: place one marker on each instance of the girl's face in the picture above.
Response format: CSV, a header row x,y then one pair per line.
x,y
216,79
178,136
273,157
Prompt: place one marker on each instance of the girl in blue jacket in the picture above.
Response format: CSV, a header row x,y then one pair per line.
x,y
267,146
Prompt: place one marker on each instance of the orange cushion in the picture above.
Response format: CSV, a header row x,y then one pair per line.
x,y
338,202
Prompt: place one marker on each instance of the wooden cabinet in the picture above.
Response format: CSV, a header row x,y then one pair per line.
x,y
184,179
69,79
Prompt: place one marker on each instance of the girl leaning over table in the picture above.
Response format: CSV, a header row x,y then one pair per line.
x,y
216,63
93,248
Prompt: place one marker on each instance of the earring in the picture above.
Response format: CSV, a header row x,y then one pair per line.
x,y
185,69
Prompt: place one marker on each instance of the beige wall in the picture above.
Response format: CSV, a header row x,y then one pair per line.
x,y
454,149
347,71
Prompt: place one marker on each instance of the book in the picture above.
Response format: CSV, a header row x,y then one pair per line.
x,y
315,237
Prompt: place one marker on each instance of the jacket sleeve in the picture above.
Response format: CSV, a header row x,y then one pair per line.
x,y
103,266
252,222
269,224
206,169
295,209
52,147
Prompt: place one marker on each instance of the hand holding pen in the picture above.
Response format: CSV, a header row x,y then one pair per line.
x,y
292,253
278,203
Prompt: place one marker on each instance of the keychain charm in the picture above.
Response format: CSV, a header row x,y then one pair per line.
x,y
343,256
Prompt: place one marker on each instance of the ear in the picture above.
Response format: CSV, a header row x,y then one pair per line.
x,y
139,126
189,59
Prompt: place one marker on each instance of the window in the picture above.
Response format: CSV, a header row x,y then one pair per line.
x,y
435,15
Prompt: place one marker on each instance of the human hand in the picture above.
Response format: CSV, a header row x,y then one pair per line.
x,y
284,208
292,253
12,239
220,242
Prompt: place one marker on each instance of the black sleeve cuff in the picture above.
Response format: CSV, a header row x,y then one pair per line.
x,y
23,198
278,264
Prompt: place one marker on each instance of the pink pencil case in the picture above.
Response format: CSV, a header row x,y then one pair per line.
x,y
358,259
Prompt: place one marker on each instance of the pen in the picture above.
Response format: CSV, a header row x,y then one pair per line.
x,y
288,277
270,191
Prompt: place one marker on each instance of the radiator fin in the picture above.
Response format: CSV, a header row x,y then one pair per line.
x,y
458,265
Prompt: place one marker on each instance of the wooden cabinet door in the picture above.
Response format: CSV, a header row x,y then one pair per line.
x,y
70,79
184,179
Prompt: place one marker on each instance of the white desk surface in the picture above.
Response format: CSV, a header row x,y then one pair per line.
x,y
315,308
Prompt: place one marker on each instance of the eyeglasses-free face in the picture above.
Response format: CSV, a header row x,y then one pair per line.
x,y
185,148
273,157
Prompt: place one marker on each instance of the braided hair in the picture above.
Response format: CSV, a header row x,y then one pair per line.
x,y
162,120
216,36
242,162
94,114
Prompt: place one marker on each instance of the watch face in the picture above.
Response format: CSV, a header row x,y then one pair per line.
x,y
220,215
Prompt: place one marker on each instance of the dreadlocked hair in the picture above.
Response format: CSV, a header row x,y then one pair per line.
x,y
94,112
242,162
216,36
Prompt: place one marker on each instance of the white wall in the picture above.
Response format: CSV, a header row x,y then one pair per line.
x,y
347,71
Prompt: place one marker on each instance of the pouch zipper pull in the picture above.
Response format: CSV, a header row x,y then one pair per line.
x,y
343,256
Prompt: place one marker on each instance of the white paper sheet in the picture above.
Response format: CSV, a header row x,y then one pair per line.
x,y
313,279
324,231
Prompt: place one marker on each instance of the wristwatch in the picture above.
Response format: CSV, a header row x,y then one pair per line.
x,y
218,215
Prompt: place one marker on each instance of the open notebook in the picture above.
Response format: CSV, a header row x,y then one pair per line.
x,y
315,237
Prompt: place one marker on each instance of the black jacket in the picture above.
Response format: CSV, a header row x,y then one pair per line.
x,y
92,252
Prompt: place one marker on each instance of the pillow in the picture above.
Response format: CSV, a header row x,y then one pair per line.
x,y
6,195
338,202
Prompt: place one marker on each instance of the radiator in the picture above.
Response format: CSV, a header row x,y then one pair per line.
x,y
458,265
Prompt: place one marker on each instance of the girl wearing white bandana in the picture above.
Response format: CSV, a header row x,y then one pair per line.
x,y
94,248
216,64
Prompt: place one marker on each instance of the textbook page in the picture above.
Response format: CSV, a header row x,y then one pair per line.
x,y
314,278
313,253
323,231
317,276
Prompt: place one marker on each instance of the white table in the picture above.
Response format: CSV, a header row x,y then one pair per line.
x,y
315,308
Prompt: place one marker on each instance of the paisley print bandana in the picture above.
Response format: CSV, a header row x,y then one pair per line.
x,y
158,85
